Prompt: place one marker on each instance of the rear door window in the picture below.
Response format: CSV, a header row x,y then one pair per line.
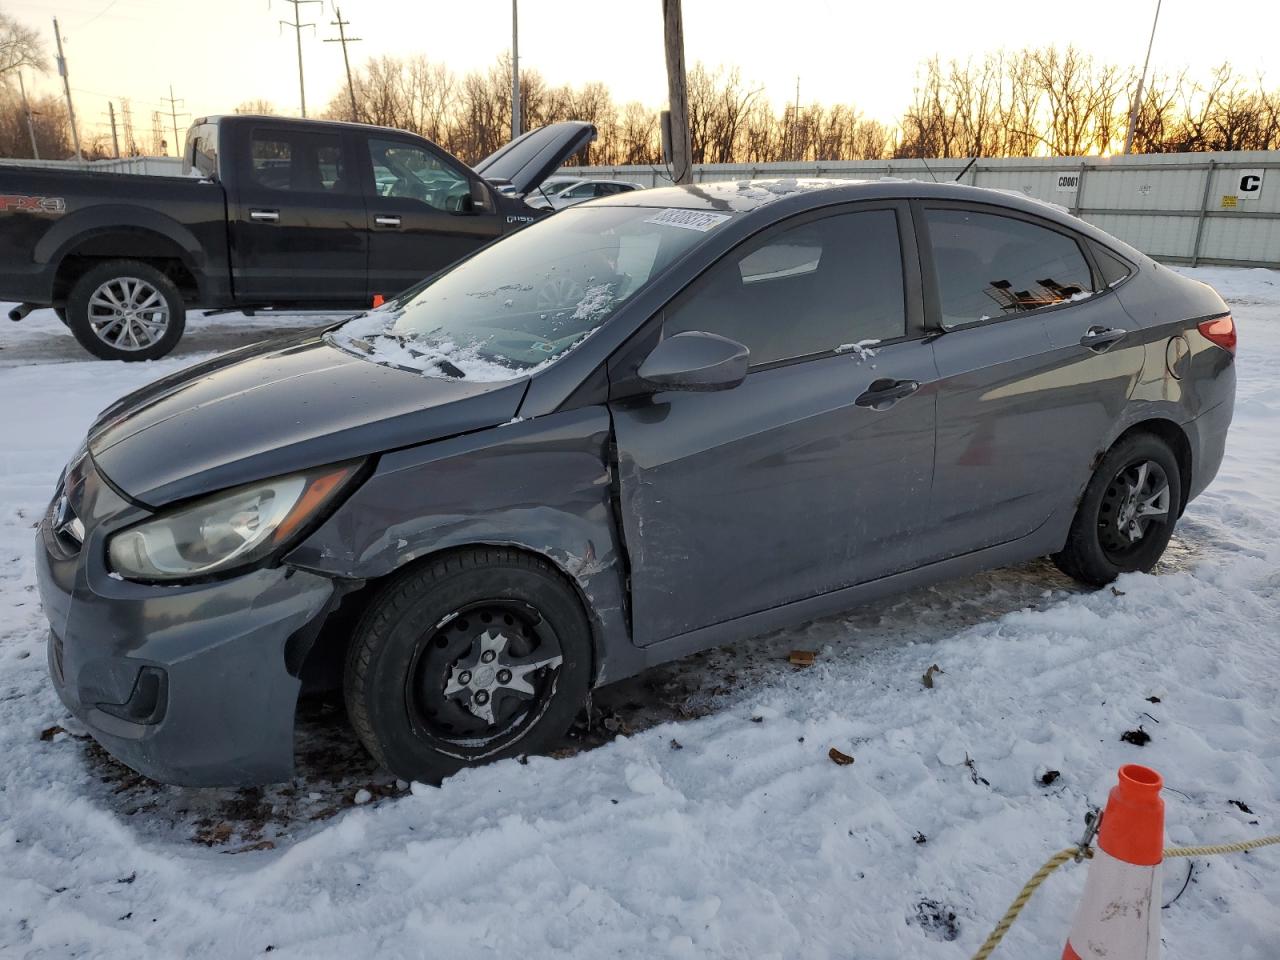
x,y
990,266
806,290
298,162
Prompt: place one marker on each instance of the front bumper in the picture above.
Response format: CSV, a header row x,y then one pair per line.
x,y
191,684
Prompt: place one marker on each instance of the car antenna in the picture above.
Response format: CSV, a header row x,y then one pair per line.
x,y
961,174
927,170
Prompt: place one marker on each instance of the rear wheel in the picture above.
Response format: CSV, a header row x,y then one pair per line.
x,y
473,657
126,310
1127,513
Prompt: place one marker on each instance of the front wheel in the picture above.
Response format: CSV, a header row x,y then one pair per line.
x,y
476,656
1127,513
126,310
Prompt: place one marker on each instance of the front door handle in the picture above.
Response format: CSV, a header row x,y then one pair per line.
x,y
1101,339
885,392
387,221
264,216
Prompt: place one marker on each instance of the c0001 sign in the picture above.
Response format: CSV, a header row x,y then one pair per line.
x,y
1067,183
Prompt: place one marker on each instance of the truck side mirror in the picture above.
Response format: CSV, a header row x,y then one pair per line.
x,y
481,197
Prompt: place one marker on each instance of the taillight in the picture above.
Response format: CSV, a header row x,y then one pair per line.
x,y
1221,331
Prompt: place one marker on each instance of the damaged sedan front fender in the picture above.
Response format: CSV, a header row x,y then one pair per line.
x,y
542,485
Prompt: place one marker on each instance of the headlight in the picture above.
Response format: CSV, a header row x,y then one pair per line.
x,y
230,529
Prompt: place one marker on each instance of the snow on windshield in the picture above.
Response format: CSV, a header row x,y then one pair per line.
x,y
522,303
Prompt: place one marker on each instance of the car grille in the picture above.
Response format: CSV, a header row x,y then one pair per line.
x,y
65,528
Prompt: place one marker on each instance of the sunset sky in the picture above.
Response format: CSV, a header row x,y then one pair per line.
x,y
221,53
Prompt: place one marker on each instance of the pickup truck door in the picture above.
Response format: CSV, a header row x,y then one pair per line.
x,y
420,217
297,220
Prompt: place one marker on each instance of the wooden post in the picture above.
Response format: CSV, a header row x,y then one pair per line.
x,y
677,93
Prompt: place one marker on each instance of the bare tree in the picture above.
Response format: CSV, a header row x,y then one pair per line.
x,y
20,47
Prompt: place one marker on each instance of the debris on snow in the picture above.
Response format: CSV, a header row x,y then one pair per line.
x,y
839,757
1048,777
802,658
1139,737
362,797
927,679
936,920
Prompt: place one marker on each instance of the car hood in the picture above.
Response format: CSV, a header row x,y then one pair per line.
x,y
529,159
275,408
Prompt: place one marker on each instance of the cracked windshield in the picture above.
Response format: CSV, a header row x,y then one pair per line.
x,y
521,304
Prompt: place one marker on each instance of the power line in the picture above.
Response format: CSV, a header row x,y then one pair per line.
x,y
297,30
343,39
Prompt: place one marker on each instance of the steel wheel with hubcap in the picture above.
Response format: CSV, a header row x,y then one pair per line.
x,y
476,655
482,673
1136,500
126,310
1127,514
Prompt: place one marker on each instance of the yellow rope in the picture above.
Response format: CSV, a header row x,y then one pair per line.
x,y
1020,901
1210,851
1062,856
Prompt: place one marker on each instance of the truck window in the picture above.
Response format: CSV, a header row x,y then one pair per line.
x,y
202,154
304,162
405,170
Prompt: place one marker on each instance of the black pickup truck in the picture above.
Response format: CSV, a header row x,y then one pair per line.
x,y
270,212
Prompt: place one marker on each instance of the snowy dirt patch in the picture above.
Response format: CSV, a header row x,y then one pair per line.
x,y
709,820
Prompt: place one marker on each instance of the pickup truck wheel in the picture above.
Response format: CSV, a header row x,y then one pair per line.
x,y
126,310
61,314
475,656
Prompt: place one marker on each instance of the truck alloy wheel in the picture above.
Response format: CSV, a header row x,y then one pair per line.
x,y
126,310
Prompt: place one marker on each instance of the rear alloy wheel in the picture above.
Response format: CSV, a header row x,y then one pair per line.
x,y
1127,513
126,310
476,656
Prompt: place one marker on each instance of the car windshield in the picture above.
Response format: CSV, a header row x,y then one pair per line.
x,y
525,301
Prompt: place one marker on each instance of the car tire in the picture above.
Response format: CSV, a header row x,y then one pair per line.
x,y
126,310
1137,480
61,314
419,678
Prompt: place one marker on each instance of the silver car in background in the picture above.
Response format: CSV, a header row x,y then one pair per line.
x,y
558,193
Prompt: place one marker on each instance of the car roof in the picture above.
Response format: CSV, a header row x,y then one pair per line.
x,y
795,193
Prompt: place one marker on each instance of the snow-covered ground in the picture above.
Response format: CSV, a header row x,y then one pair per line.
x,y
700,815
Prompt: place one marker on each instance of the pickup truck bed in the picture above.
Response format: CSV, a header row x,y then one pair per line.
x,y
274,213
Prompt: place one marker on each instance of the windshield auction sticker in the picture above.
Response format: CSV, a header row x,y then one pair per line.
x,y
698,220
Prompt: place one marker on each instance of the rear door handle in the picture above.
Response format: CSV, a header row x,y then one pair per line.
x,y
1100,339
264,216
885,392
387,221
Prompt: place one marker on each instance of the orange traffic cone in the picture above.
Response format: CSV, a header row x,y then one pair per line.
x,y
1119,915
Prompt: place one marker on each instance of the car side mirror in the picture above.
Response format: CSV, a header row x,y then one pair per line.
x,y
695,361
481,197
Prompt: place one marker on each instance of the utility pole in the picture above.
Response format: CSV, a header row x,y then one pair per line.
x,y
343,39
515,71
66,88
173,113
26,109
795,124
677,92
297,29
115,140
1137,97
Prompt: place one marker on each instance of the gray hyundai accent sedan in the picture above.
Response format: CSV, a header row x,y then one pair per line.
x,y
648,425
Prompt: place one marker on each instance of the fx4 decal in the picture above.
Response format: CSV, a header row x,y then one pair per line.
x,y
54,205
